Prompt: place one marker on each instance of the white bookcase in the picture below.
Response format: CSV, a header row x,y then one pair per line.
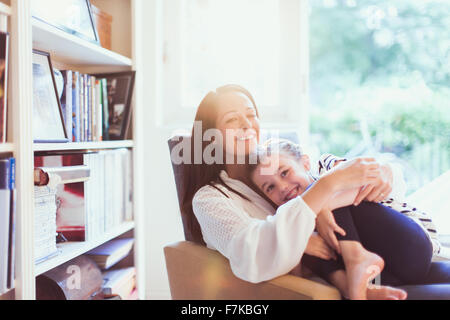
x,y
71,52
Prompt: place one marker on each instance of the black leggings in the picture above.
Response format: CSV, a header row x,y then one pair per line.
x,y
401,242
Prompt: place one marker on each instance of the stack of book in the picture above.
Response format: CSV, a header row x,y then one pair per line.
x,y
45,223
7,223
110,253
84,102
120,282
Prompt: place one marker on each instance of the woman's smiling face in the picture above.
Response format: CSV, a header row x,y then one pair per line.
x,y
238,123
284,181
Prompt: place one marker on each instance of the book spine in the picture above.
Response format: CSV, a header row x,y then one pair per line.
x,y
76,106
99,122
69,118
5,202
88,199
12,225
93,110
5,168
82,106
102,211
88,109
105,109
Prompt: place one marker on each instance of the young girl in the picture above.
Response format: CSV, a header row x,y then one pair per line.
x,y
368,240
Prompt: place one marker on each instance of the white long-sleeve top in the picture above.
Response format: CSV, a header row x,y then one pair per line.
x,y
259,244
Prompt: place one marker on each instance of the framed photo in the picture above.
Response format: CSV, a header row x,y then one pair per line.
x,y
72,16
48,122
120,88
4,62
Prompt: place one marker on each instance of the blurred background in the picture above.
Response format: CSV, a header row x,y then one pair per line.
x,y
380,75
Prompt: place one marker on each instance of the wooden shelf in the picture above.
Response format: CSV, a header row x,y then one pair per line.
x,y
43,147
5,9
71,250
71,50
6,147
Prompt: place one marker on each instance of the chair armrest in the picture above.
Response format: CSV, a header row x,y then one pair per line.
x,y
310,288
198,273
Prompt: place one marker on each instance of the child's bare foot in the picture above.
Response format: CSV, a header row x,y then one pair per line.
x,y
362,266
385,293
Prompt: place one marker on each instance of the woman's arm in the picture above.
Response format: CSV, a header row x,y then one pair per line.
x,y
258,250
389,183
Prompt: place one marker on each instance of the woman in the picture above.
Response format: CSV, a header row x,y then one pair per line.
x,y
240,223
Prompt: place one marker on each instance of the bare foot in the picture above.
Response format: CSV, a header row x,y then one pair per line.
x,y
385,293
362,267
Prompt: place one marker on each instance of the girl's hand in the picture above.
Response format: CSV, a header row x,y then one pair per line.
x,y
326,226
379,189
318,247
352,174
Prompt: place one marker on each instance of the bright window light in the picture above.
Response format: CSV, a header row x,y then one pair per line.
x,y
230,42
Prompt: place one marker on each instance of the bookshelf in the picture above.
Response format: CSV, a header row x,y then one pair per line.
x,y
73,50
104,145
6,148
71,250
74,53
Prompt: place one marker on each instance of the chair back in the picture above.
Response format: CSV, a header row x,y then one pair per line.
x,y
191,227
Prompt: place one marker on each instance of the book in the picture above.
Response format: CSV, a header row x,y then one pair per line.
x,y
105,107
99,110
64,175
5,203
110,253
88,108
4,61
119,282
82,108
66,101
76,107
12,225
45,223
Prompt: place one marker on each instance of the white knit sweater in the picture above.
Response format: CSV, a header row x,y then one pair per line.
x,y
259,245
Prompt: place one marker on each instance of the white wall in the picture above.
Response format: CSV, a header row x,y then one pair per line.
x,y
161,219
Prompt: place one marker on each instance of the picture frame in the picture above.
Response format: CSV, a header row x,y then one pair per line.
x,y
72,16
4,69
120,87
48,121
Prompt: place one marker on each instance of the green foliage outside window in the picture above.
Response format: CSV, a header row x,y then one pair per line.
x,y
380,79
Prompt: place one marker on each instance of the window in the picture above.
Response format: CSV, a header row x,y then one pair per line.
x,y
379,82
254,43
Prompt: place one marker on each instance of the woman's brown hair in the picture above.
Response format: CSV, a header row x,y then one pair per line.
x,y
202,174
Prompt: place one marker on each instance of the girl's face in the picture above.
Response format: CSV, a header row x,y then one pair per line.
x,y
238,122
285,181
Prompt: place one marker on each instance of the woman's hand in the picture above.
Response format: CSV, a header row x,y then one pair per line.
x,y
352,174
326,226
379,189
318,247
